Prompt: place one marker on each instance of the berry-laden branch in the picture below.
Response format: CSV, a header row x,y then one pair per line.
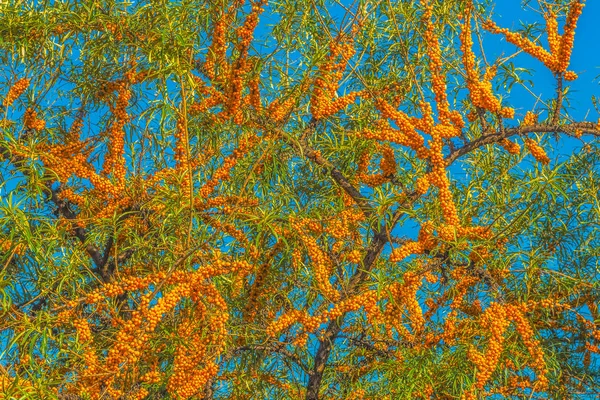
x,y
575,129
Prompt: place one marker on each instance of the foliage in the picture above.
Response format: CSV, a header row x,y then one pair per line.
x,y
299,199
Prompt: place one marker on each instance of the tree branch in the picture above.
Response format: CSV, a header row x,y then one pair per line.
x,y
334,327
304,148
559,100
63,209
569,129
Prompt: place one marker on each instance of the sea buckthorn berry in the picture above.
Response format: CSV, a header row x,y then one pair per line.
x,y
570,76
557,60
15,91
511,147
537,151
529,119
422,185
324,101
507,112
31,121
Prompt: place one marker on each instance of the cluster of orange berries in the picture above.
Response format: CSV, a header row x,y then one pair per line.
x,y
88,382
218,267
388,161
78,166
405,250
72,197
392,319
31,121
408,296
425,122
139,394
477,232
366,300
591,348
561,46
570,76
211,100
343,227
522,42
6,245
279,108
450,331
188,375
495,320
438,178
134,333
321,261
65,316
165,304
353,256
387,165
115,160
246,31
327,82
215,58
425,241
83,330
517,315
186,380
254,89
114,289
449,212
537,151
406,136
530,119
240,68
222,173
463,282
552,32
234,91
286,320
438,80
150,377
129,343
511,147
422,185
15,91
568,37
363,165
181,143
480,90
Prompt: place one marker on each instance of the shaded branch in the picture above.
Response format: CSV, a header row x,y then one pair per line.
x,y
305,149
334,327
63,209
569,129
